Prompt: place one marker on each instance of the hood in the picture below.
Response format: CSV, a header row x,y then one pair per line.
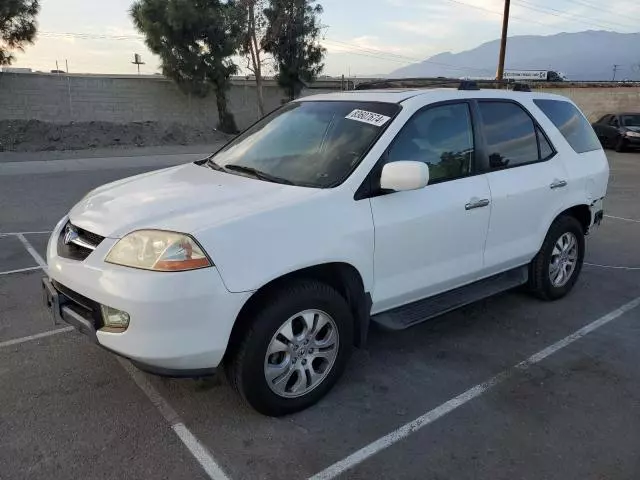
x,y
183,199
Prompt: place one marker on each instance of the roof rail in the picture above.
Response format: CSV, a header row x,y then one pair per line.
x,y
521,87
440,82
468,85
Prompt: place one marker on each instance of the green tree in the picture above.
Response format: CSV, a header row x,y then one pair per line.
x,y
17,26
292,39
195,40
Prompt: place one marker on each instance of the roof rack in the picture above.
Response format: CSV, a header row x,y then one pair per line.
x,y
440,82
521,87
468,85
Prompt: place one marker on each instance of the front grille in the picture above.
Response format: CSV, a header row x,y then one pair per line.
x,y
77,251
82,305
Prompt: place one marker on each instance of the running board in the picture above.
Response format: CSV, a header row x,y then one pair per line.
x,y
417,312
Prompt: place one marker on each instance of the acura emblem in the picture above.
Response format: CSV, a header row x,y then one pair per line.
x,y
70,234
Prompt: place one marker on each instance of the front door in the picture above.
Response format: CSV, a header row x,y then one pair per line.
x,y
432,239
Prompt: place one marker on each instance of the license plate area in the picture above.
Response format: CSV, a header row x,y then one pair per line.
x,y
52,301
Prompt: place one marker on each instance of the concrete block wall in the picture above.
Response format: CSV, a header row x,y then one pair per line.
x,y
124,99
596,102
121,99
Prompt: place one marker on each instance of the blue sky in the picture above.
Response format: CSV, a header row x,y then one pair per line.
x,y
362,37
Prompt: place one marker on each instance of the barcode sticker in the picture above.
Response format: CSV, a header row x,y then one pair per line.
x,y
368,117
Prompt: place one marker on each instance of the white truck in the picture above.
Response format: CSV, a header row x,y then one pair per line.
x,y
534,75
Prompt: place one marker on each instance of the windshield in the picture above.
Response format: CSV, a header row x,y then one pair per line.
x,y
314,144
631,120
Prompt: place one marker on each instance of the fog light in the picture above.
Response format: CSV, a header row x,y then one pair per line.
x,y
114,318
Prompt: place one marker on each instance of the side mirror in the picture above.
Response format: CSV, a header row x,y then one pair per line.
x,y
404,175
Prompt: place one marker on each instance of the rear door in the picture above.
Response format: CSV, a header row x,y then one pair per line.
x,y
526,178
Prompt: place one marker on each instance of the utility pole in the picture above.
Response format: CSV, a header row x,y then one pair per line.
x,y
137,60
615,70
503,40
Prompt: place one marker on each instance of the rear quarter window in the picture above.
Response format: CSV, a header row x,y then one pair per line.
x,y
571,123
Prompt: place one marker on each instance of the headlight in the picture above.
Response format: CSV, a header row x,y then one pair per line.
x,y
158,250
633,134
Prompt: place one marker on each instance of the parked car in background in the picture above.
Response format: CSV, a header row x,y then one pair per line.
x,y
620,131
272,256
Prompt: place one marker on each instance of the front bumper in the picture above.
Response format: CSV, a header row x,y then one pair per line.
x,y
180,322
633,142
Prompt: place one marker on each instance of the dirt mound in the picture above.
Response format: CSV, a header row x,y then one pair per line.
x,y
35,136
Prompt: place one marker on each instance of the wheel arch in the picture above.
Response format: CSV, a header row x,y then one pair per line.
x,y
341,276
582,213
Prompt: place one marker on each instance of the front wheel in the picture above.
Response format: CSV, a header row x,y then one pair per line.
x,y
555,269
295,349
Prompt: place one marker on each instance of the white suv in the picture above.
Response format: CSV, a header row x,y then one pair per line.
x,y
272,256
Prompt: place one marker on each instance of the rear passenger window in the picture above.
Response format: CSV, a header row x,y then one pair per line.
x,y
509,133
571,123
546,150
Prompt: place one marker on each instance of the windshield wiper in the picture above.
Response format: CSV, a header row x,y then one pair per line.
x,y
211,163
258,174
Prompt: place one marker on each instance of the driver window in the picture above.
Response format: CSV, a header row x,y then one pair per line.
x,y
441,137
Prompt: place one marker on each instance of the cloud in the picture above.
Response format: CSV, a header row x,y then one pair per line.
x,y
426,29
367,43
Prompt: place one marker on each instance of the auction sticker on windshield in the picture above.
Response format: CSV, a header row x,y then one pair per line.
x,y
368,117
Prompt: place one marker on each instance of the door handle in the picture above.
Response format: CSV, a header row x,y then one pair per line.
x,y
477,203
558,184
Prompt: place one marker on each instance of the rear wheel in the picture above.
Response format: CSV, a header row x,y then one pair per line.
x,y
295,349
555,269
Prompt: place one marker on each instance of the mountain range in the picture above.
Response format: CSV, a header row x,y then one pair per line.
x,y
589,55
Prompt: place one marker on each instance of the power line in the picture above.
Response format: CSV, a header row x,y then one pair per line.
x,y
599,9
570,16
374,51
495,12
591,5
413,59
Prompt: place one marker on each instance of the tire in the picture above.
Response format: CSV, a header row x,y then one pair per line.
x,y
540,269
603,142
247,368
620,145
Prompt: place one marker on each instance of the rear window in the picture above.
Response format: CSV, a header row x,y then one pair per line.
x,y
571,123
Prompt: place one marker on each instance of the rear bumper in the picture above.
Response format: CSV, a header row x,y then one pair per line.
x,y
597,214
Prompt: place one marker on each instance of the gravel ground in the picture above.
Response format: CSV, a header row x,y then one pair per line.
x,y
36,136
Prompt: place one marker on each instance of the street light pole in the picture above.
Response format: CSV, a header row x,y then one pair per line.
x,y
503,40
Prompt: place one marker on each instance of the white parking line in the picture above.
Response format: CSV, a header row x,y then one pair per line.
x,y
403,432
622,218
199,452
32,251
20,270
611,266
17,341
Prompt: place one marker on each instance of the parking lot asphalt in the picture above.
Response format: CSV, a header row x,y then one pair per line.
x,y
69,409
